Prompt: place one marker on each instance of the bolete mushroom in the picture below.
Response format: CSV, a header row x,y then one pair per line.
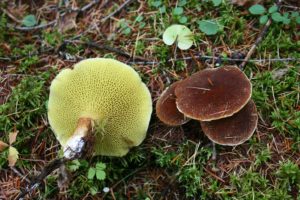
x,y
104,95
233,130
213,93
166,109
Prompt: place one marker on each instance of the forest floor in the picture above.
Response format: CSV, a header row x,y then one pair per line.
x,y
40,38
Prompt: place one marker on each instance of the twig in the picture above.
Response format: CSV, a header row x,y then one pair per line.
x,y
35,183
19,174
258,39
117,10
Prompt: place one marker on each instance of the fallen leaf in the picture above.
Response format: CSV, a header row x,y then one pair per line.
x,y
67,21
3,145
13,136
13,156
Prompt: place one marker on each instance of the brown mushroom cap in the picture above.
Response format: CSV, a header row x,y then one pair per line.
x,y
166,109
233,130
213,93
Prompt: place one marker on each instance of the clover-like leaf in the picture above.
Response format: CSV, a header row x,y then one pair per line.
x,y
91,173
100,175
13,156
29,20
209,27
273,9
257,9
263,19
100,166
217,2
3,145
277,17
179,33
12,137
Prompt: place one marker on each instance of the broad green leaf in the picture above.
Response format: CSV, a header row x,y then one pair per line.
x,y
273,9
217,2
257,9
12,137
178,11
181,33
277,17
91,173
209,27
263,19
182,2
29,20
3,145
162,9
13,156
100,166
100,175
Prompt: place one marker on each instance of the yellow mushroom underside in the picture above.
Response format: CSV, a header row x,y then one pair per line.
x,y
107,91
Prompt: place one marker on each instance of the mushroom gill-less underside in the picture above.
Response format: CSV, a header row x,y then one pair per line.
x,y
109,93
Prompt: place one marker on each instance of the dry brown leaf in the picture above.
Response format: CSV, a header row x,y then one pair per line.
x,y
67,21
3,145
13,156
13,136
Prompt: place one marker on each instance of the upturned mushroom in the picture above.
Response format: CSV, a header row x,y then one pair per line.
x,y
234,130
102,95
213,94
166,109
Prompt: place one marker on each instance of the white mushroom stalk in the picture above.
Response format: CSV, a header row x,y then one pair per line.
x,y
76,143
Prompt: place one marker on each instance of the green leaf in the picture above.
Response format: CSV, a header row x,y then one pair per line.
x,y
182,2
263,19
29,20
91,173
217,2
93,190
178,11
209,27
277,17
100,166
273,9
74,165
162,9
100,175
179,33
156,3
257,9
183,19
294,14
298,20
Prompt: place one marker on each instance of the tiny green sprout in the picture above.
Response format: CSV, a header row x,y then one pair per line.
x,y
180,34
29,21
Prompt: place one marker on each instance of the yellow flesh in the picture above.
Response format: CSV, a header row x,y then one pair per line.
x,y
109,92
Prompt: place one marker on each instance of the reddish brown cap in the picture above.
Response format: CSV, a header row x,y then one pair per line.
x,y
233,130
166,109
213,93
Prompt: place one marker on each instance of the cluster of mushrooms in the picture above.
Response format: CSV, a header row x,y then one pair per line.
x,y
220,98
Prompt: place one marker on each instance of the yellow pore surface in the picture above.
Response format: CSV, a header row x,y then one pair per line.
x,y
107,91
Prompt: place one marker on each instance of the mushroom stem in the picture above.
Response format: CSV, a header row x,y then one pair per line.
x,y
76,142
214,151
